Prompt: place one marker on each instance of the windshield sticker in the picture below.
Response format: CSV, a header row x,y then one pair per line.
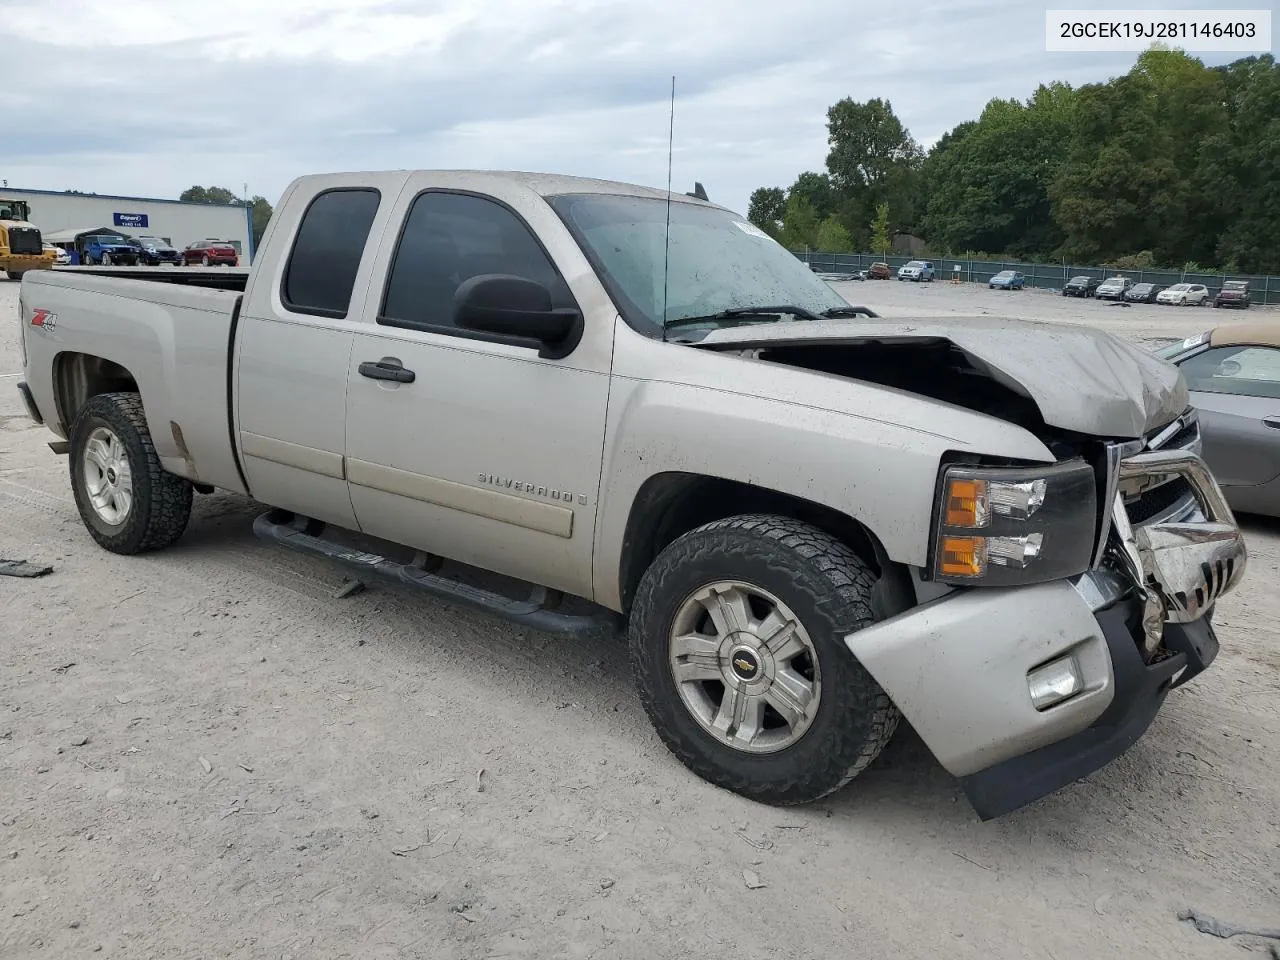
x,y
751,230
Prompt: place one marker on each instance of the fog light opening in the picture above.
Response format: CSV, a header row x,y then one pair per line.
x,y
1054,682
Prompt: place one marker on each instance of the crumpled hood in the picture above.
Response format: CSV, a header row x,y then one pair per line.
x,y
1079,378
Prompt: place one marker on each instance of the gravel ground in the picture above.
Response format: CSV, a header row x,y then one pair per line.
x,y
203,754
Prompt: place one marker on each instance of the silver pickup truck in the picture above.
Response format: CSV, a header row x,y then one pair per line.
x,y
811,520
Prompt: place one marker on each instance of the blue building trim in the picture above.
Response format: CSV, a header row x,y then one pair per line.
x,y
112,196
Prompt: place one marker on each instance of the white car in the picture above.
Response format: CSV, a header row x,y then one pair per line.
x,y
61,257
1184,294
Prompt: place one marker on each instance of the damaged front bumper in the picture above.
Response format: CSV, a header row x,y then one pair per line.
x,y
963,669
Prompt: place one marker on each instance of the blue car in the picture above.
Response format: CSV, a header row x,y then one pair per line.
x,y
108,250
1008,280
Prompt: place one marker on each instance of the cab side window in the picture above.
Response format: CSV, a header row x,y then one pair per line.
x,y
452,237
1245,371
321,271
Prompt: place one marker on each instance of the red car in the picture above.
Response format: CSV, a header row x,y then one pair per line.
x,y
211,253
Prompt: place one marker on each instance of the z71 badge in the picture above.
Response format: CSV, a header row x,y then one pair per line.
x,y
43,319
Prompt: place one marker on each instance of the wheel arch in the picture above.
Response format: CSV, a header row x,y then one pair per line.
x,y
78,377
672,503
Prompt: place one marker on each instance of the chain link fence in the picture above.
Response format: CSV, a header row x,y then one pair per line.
x,y
1262,290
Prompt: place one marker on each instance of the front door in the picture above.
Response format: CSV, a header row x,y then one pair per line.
x,y
491,455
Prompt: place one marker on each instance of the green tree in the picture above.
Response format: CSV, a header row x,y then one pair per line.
x,y
208,195
832,237
987,181
766,208
880,230
799,224
873,159
260,207
1145,170
869,145
1251,240
261,214
1169,163
816,190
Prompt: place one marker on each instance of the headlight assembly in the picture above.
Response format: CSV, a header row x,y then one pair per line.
x,y
1005,526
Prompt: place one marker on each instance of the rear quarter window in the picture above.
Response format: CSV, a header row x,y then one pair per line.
x,y
326,254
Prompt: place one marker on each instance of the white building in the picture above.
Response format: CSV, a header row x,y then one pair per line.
x,y
176,222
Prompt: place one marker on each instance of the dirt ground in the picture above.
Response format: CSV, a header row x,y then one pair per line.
x,y
203,754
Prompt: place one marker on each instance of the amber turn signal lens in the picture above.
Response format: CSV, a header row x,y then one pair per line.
x,y
966,503
963,556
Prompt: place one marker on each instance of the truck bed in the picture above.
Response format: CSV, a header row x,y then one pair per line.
x,y
172,337
218,278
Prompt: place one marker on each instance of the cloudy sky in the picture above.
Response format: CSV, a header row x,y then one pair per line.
x,y
146,97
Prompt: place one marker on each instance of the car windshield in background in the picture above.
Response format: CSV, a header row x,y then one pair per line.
x,y
716,262
1004,275
1180,288
1142,287
1234,285
916,263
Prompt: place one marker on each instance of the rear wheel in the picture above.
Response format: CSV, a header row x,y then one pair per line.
x,y
128,502
737,646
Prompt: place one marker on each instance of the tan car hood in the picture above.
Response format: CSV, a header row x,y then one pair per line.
x,y
1079,378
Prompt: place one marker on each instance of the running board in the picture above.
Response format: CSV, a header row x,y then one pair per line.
x,y
536,613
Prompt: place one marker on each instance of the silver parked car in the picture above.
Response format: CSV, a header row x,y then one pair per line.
x,y
1233,375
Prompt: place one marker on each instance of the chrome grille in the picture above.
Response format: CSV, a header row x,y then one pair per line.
x,y
1163,499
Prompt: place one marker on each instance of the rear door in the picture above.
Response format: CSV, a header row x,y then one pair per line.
x,y
491,455
294,345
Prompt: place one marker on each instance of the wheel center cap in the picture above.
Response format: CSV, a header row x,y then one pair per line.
x,y
745,664
111,474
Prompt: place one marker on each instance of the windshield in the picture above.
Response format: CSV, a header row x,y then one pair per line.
x,y
1234,285
1004,275
915,263
717,261
1180,288
15,210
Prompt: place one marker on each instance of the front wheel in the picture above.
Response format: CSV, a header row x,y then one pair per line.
x,y
737,646
127,500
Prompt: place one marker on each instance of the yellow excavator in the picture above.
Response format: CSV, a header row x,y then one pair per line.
x,y
21,248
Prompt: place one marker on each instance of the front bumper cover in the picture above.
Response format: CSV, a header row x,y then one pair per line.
x,y
1139,692
1137,625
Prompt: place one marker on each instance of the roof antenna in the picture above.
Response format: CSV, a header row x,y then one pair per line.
x,y
666,239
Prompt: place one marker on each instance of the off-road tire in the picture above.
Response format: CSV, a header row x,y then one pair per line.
x,y
161,501
829,589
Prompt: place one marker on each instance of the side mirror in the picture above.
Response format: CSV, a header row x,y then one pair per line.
x,y
516,308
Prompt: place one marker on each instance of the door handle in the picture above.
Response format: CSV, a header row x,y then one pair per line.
x,y
388,368
1272,422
